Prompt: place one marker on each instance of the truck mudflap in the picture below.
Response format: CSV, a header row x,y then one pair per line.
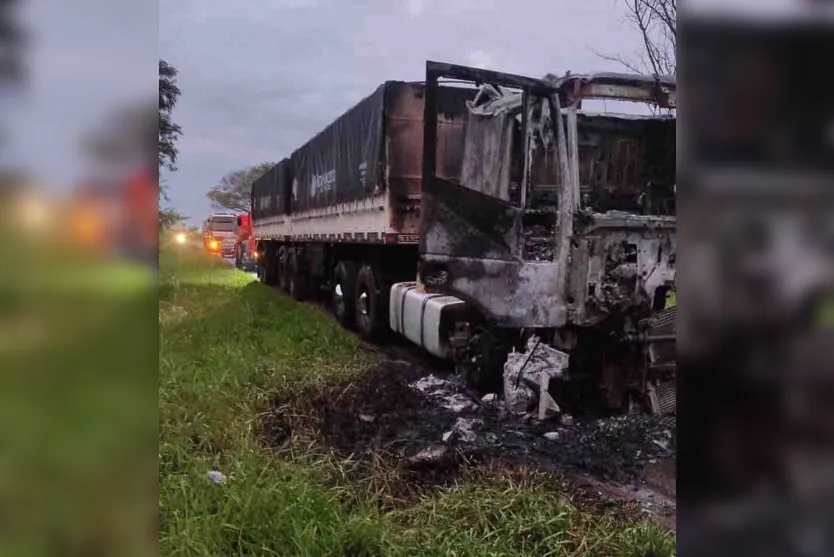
x,y
660,332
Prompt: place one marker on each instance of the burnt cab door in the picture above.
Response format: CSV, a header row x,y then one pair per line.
x,y
480,216
473,235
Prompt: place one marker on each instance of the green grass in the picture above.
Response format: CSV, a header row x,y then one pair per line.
x,y
77,419
825,312
228,345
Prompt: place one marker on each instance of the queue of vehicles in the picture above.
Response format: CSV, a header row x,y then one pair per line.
x,y
230,235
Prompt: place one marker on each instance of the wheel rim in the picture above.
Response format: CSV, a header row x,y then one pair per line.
x,y
338,298
364,303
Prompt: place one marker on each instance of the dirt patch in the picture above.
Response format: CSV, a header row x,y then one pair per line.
x,y
661,476
425,429
631,499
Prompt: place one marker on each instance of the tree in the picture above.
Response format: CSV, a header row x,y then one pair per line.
x,y
135,134
127,137
234,189
168,131
11,41
170,217
656,21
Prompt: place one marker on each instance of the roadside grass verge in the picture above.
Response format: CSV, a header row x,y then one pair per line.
x,y
229,345
78,390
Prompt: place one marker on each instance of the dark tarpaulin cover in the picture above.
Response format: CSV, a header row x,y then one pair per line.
x,y
270,191
260,196
283,179
345,162
342,163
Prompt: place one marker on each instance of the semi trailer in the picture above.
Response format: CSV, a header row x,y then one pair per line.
x,y
476,209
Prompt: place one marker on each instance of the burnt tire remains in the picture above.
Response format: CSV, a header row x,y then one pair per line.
x,y
482,361
343,284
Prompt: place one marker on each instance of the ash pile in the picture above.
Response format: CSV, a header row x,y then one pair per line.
x,y
430,419
528,428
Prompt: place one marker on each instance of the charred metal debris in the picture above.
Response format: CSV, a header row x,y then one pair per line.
x,y
569,220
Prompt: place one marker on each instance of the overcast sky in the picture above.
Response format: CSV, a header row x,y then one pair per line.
x,y
84,59
259,79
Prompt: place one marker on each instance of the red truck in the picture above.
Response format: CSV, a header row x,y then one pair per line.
x,y
246,249
118,215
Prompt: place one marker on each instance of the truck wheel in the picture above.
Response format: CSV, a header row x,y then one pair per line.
x,y
281,262
344,283
238,257
260,269
296,281
483,361
270,265
370,304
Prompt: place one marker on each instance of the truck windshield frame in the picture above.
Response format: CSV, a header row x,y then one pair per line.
x,y
513,101
622,162
222,224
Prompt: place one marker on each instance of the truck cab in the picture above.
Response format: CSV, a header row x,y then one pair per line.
x,y
562,223
246,254
219,234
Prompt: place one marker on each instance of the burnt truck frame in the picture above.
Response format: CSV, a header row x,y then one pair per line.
x,y
502,236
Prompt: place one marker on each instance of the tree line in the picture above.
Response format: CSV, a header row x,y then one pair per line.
x,y
169,133
232,192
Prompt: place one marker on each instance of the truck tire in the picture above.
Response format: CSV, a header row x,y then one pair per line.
x,y
250,264
238,256
260,270
281,262
482,360
270,267
343,284
296,279
370,304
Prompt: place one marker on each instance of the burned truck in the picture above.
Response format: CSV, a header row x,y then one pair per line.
x,y
487,220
